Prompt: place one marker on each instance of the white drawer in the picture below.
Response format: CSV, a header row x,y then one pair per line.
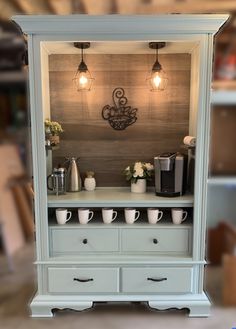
x,y
82,240
83,280
157,280
159,240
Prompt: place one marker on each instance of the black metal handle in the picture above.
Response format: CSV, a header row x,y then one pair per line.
x,y
82,280
156,280
155,241
85,241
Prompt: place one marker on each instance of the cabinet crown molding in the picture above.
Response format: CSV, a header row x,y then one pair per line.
x,y
116,24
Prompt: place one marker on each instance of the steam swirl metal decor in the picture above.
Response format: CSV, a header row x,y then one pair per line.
x,y
119,115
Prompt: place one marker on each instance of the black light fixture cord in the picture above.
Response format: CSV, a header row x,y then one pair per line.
x,y
82,66
82,53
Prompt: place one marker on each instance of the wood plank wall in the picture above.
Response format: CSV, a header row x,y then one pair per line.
x,y
162,117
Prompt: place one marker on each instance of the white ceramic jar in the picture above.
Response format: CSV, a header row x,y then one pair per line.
x,y
89,183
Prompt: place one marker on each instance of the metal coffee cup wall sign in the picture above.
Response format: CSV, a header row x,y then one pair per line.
x,y
119,115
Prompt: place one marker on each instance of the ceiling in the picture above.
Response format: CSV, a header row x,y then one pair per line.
x,y
118,47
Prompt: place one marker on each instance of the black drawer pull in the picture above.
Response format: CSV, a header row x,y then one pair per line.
x,y
82,280
85,241
156,280
155,241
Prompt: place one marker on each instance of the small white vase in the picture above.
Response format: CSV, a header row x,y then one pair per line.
x,y
89,183
139,187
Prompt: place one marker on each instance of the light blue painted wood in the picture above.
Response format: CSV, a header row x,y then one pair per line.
x,y
175,280
158,240
131,259
198,304
170,239
121,24
116,197
102,280
82,240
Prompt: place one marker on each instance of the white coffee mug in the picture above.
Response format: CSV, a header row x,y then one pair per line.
x,y
85,215
108,215
154,215
178,215
131,215
62,215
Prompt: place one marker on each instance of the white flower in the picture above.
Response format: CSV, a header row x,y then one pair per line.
x,y
139,172
135,175
138,165
149,166
128,168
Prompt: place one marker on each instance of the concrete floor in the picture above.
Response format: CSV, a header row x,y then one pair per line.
x,y
17,289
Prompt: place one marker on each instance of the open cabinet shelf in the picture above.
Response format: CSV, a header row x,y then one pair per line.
x,y
117,197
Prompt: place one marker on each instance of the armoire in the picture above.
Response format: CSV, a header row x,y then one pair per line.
x,y
162,264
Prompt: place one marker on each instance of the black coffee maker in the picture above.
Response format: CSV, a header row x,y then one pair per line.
x,y
169,174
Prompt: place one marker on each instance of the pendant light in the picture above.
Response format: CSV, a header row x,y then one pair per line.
x,y
83,79
157,81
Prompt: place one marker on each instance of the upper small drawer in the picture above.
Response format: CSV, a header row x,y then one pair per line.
x,y
75,240
162,240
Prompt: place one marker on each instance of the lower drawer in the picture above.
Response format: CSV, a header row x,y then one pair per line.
x,y
157,280
83,280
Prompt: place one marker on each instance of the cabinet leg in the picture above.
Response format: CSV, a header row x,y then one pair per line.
x,y
199,311
196,309
43,309
40,311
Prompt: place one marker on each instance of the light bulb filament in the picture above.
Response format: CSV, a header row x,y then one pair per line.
x,y
157,81
83,80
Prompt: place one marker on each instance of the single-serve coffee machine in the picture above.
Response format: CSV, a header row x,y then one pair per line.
x,y
169,174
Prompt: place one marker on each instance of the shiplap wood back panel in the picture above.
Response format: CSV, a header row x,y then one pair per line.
x,y
163,117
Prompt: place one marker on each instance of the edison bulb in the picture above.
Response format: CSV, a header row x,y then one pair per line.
x,y
156,80
83,80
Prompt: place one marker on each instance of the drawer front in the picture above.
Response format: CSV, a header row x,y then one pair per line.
x,y
83,280
163,240
69,241
157,280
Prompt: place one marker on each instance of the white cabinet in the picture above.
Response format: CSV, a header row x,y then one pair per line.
x,y
160,264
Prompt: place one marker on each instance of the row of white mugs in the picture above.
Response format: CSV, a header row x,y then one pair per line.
x,y
178,215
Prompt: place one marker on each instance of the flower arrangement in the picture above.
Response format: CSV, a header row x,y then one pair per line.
x,y
52,127
52,132
138,170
